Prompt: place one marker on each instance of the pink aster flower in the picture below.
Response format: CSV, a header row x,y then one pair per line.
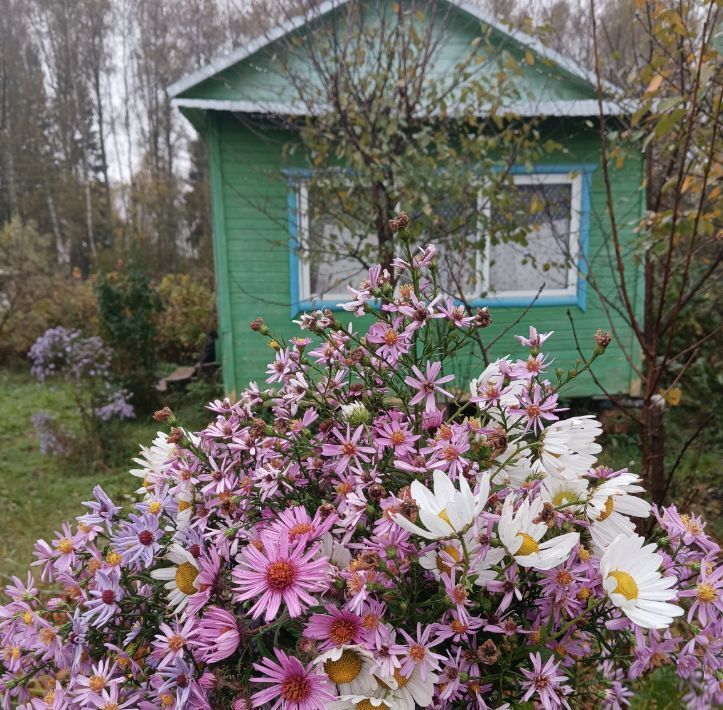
x,y
419,653
348,449
535,340
534,406
546,681
707,593
105,595
391,341
395,434
339,627
427,385
218,635
291,685
530,368
169,646
280,572
138,540
456,313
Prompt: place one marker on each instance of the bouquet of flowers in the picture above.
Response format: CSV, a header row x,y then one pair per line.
x,y
360,535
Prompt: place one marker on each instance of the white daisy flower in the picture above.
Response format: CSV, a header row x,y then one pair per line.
x,y
351,669
614,496
489,385
363,702
521,537
611,504
410,692
185,510
181,577
153,461
448,511
603,532
566,495
482,567
440,559
520,470
629,569
568,447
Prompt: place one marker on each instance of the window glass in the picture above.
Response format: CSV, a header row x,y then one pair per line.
x,y
334,247
539,217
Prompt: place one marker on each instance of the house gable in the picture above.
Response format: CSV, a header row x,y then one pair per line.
x,y
251,78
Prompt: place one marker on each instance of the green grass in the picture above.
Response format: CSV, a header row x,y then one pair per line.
x,y
37,492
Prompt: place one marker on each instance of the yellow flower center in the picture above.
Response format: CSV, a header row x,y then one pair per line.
x,y
64,546
49,698
397,437
584,554
625,584
691,525
453,552
183,505
295,689
113,558
186,574
46,636
167,700
341,632
300,529
176,642
154,508
563,497
706,593
15,652
367,705
27,617
96,683
529,546
111,706
608,509
345,669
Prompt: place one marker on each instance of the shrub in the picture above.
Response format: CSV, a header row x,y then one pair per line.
x,y
127,311
33,297
85,363
348,538
188,314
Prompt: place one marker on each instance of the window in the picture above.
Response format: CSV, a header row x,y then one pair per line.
x,y
540,220
543,215
332,247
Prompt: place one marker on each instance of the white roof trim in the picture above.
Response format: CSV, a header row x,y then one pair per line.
x,y
244,51
573,108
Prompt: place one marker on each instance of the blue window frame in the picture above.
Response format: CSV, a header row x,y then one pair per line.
x,y
558,181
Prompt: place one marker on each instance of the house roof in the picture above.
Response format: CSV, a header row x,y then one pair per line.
x,y
574,107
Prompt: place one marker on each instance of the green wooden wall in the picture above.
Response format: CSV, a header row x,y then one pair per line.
x,y
251,247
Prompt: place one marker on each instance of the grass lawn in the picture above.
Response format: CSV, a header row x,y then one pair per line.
x,y
37,492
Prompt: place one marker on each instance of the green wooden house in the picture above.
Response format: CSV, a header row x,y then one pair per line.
x,y
258,204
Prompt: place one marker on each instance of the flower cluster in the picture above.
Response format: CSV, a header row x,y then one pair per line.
x,y
362,533
86,363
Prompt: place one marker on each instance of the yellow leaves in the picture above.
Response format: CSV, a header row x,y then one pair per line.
x,y
529,57
654,85
536,205
672,396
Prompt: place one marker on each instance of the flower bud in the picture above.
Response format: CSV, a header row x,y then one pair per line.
x,y
399,222
258,325
355,413
602,339
162,414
